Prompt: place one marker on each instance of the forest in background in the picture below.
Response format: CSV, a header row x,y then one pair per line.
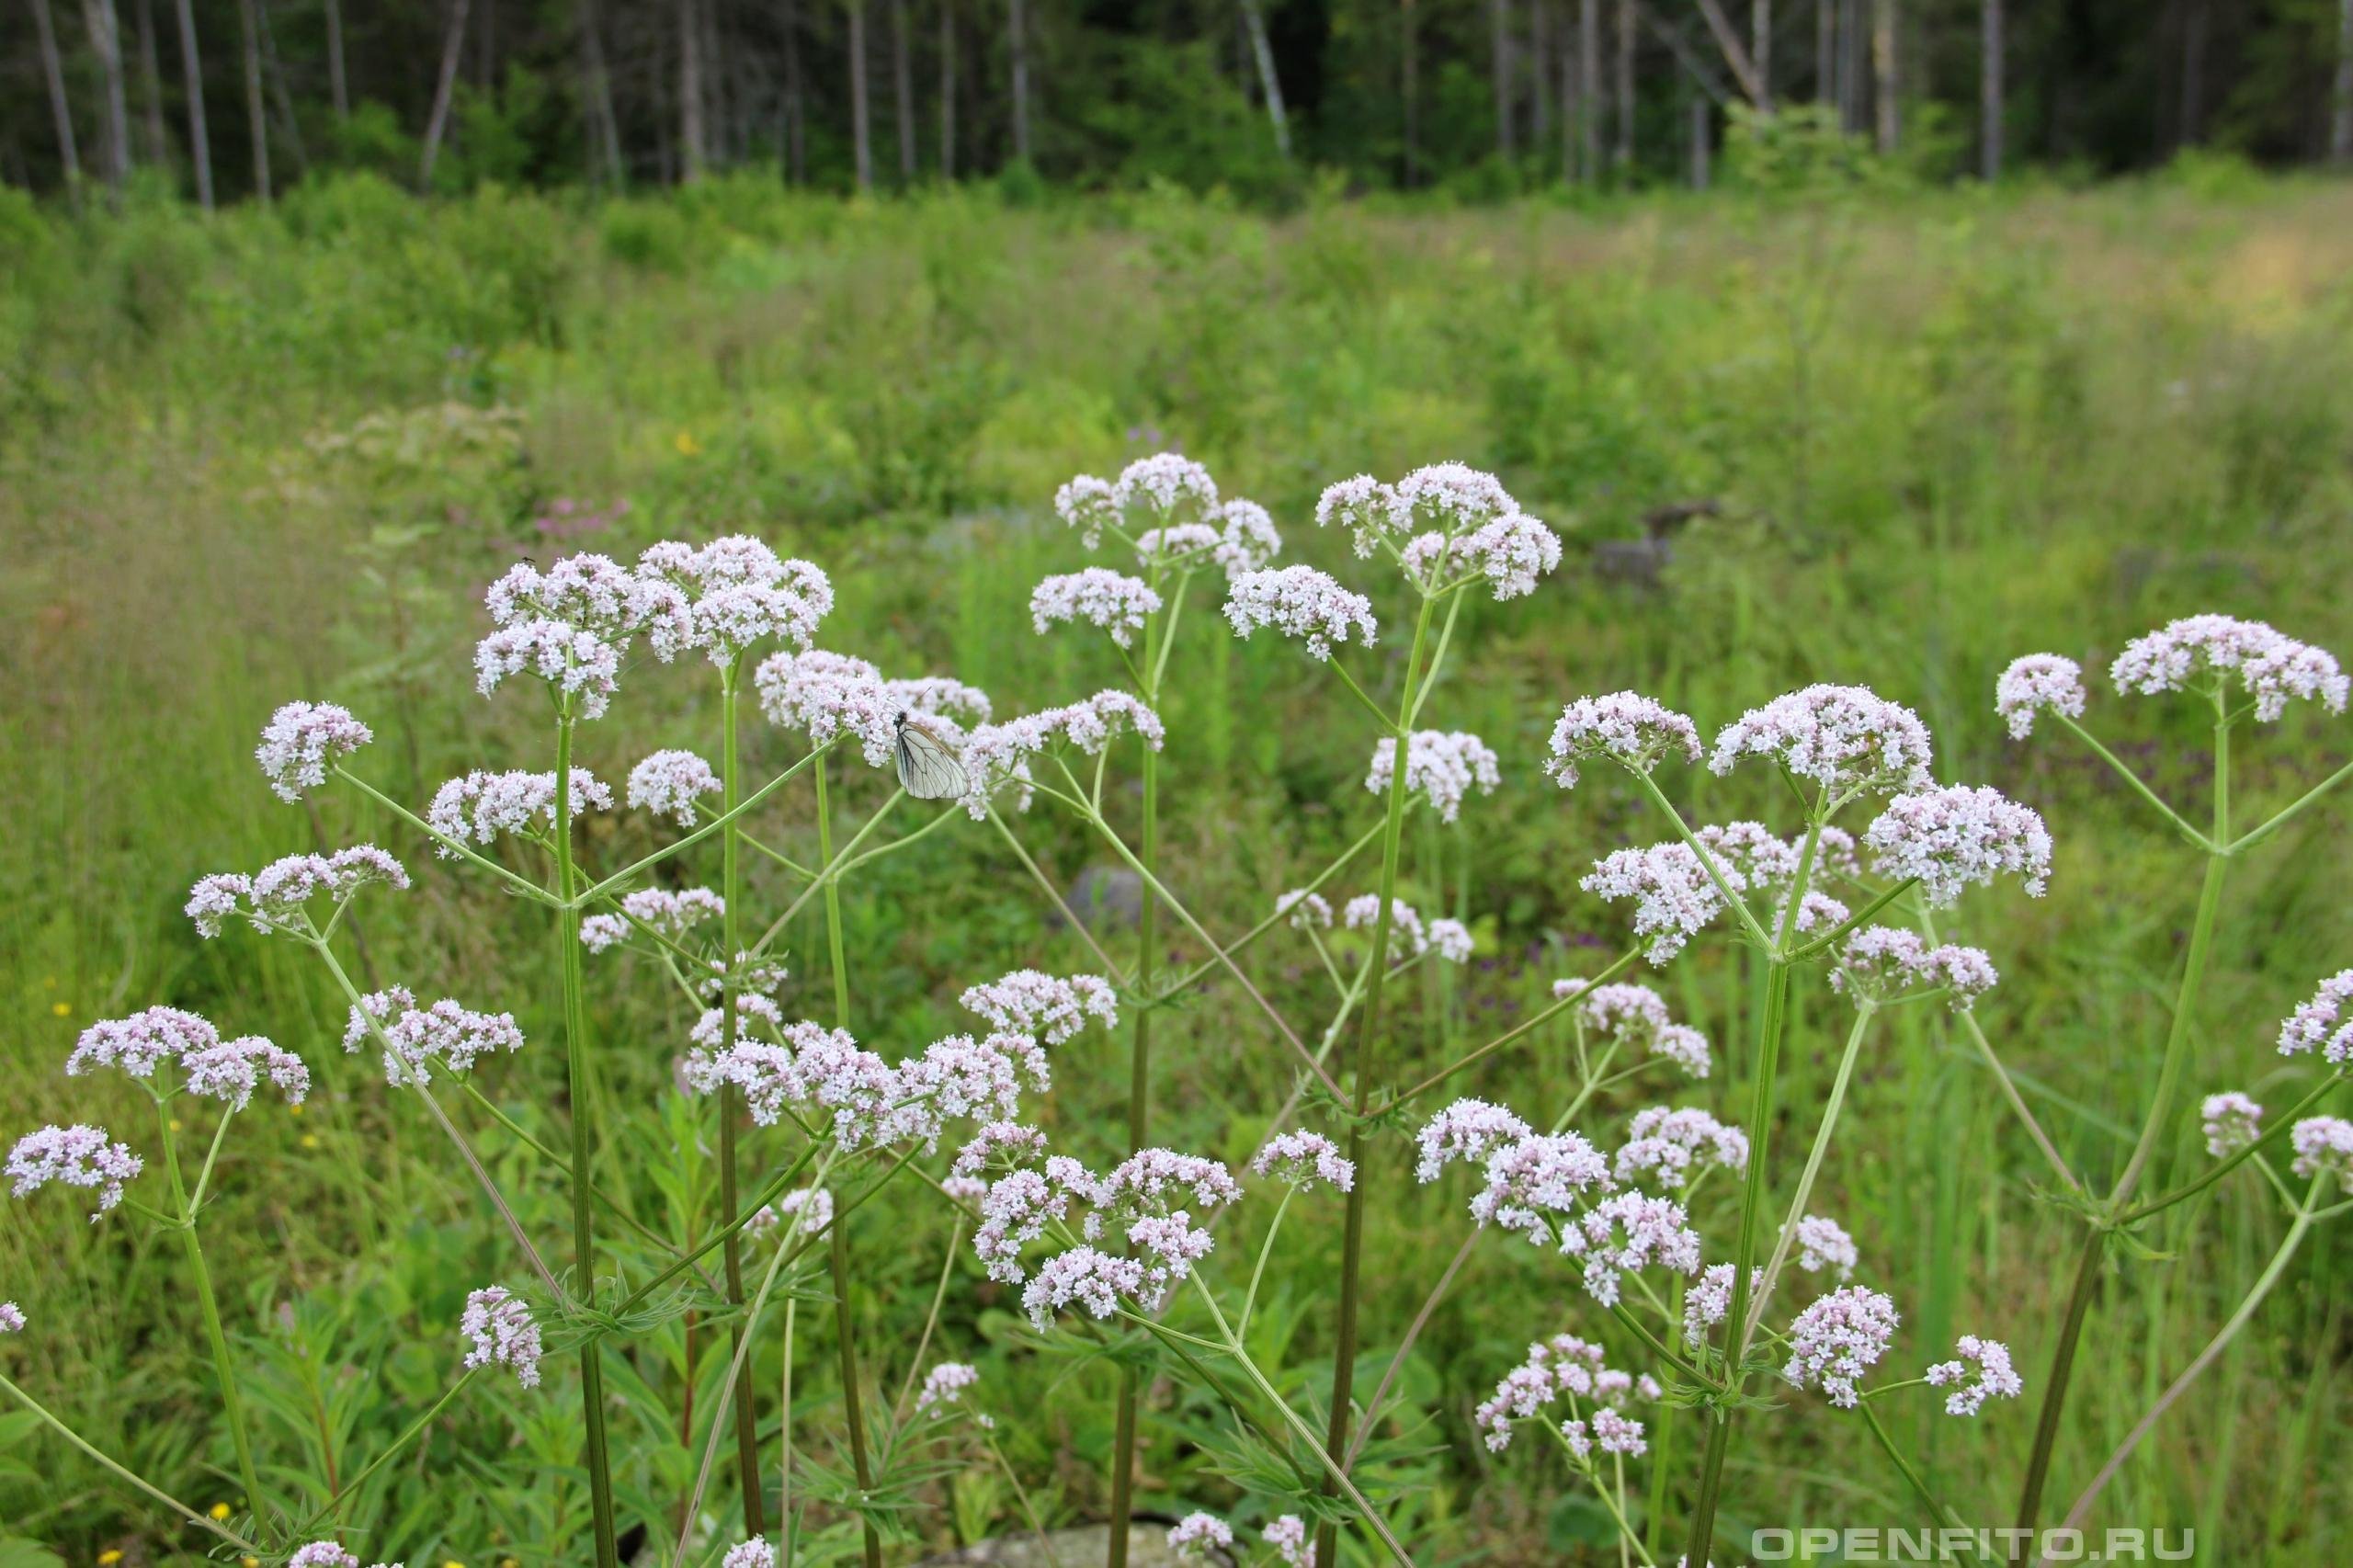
x,y
221,100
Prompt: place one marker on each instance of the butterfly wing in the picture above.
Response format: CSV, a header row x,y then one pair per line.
x,y
928,767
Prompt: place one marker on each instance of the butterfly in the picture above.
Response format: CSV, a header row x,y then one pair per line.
x,y
927,766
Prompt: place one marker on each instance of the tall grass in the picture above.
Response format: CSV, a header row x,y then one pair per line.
x,y
278,453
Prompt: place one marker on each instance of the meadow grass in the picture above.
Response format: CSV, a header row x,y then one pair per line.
x,y
279,455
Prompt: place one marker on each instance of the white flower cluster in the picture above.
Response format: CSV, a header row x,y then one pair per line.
x,y
480,806
500,1331
1673,895
1982,1372
1635,1017
1303,1159
736,591
2231,1120
1846,739
1823,1243
1624,727
415,1039
79,1155
277,897
1949,838
302,741
670,783
1837,1339
2273,668
570,624
1441,765
1671,1147
1300,602
1166,487
1882,964
1565,1366
2038,684
2323,1144
998,757
657,910
2322,1023
1102,598
1048,1006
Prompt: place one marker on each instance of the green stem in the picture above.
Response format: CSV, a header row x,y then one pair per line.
x,y
2279,1128
720,823
187,1514
1936,1511
1771,1021
1813,1158
1708,862
2180,823
731,877
1559,1005
521,884
1070,916
1123,1442
1258,1269
2002,1075
839,1232
223,1369
1343,1354
351,1488
583,1149
2309,797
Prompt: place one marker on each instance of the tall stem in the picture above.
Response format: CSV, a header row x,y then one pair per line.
x,y
583,1149
1123,1445
232,1405
1813,1158
747,1425
2170,1076
1344,1352
839,1232
1770,1025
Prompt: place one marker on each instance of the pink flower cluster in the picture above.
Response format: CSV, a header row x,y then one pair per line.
x,y
658,910
480,806
944,1386
1673,895
12,1318
1949,838
498,1325
737,592
1624,727
670,783
1846,739
1982,1372
827,696
2324,1144
1302,602
328,1554
414,1039
2231,1120
79,1156
1884,964
1635,1017
1167,487
2322,1023
2273,668
1823,1243
1197,1535
1441,765
808,1209
277,897
1671,1147
1837,1339
1048,1006
1303,1159
1570,1367
1102,598
999,755
2036,684
570,624
302,741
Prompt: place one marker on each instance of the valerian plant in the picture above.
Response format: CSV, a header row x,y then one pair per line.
x,y
1704,1279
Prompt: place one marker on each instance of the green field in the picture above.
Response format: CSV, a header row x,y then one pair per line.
x,y
278,454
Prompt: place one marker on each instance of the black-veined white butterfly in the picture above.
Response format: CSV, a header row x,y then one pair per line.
x,y
927,766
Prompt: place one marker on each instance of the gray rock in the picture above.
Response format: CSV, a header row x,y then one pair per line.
x,y
1082,1548
1105,896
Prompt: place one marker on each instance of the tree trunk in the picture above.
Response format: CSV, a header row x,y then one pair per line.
x,y
106,43
1409,89
1540,78
1826,53
287,123
60,111
903,90
690,134
860,129
1883,73
200,146
1700,131
1760,50
1254,21
1625,88
1850,66
2193,74
596,91
1589,88
452,49
151,88
1017,27
257,121
946,90
1989,92
1573,104
338,85
2340,130
1499,71
796,123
